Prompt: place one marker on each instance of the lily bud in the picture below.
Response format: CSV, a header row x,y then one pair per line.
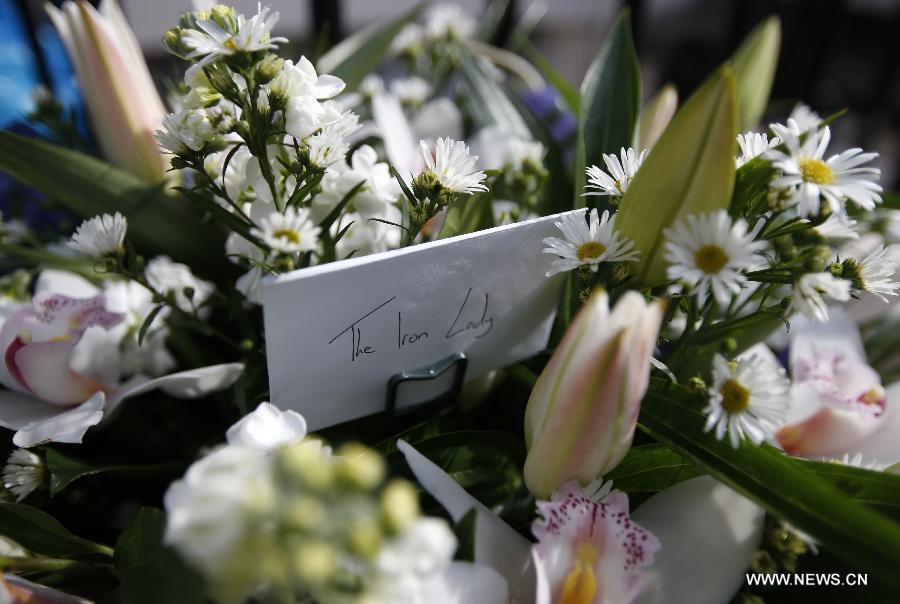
x,y
123,103
581,415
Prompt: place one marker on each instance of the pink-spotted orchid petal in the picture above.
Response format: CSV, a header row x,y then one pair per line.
x,y
590,550
581,416
37,422
16,590
497,544
708,535
883,445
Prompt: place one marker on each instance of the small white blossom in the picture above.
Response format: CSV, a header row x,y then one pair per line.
x,y
408,40
588,244
875,274
838,227
100,236
412,90
166,276
23,474
754,144
808,177
620,172
808,292
710,254
454,166
449,22
804,118
748,399
290,232
211,40
301,79
187,129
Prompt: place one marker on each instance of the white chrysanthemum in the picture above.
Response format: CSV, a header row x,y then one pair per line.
x,y
449,21
809,177
858,461
408,40
588,244
754,144
326,148
620,172
875,274
808,292
453,166
412,90
187,129
838,227
100,236
748,399
24,472
290,232
710,253
804,118
166,276
212,40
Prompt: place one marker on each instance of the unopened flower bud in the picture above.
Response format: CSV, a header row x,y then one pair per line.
x,y
399,505
304,513
314,562
305,463
225,17
365,536
171,41
359,467
270,66
427,185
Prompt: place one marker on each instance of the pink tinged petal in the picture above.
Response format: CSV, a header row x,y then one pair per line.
x,y
24,591
883,445
497,544
578,535
43,368
67,426
829,433
708,534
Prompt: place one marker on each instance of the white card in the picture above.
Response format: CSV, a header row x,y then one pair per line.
x,y
336,333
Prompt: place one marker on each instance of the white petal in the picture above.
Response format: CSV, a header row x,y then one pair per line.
x,y
52,281
884,445
709,534
267,428
810,337
192,383
497,544
399,141
51,423
464,583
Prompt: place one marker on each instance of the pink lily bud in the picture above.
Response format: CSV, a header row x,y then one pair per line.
x,y
580,418
123,103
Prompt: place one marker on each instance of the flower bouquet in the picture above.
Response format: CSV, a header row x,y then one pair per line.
x,y
702,412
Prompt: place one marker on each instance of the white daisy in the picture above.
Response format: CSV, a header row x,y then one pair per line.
x,y
239,34
412,91
170,277
808,292
875,273
709,252
748,399
453,166
620,172
409,40
588,245
805,118
858,461
290,232
100,236
754,144
837,227
187,129
808,177
449,21
24,472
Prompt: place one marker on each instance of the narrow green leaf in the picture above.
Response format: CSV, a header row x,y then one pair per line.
x,y
465,531
468,215
336,211
489,101
751,185
880,490
690,170
65,470
779,483
361,53
651,468
157,223
610,102
568,92
754,63
655,116
145,326
42,534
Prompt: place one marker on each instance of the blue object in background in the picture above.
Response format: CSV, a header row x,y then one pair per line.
x,y
20,70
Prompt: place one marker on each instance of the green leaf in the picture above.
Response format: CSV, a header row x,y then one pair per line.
x,y
751,186
610,102
655,116
779,483
754,63
157,223
360,54
468,215
42,534
65,470
879,490
149,571
145,326
651,468
465,535
489,102
690,170
568,92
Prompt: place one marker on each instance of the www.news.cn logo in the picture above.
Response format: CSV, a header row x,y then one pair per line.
x,y
808,579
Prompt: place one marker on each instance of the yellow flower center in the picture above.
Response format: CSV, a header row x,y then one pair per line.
x,y
735,398
230,45
289,234
580,585
816,170
591,249
875,396
710,259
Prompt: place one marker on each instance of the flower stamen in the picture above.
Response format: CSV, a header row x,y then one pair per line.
x,y
591,249
816,171
710,259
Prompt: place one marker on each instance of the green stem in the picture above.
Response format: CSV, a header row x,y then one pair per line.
x,y
28,564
